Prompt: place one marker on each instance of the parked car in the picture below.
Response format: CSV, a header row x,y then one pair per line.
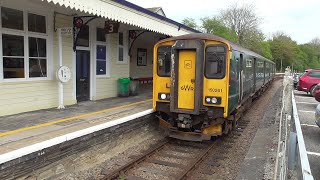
x,y
317,115
316,92
296,77
308,81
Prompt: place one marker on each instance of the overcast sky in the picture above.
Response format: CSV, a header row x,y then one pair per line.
x,y
300,19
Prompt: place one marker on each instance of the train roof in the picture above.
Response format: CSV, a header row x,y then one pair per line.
x,y
216,38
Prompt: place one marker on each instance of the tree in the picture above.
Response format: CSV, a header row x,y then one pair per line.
x,y
284,50
253,40
241,20
215,26
190,22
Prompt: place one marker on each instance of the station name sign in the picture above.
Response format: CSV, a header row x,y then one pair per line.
x,y
111,27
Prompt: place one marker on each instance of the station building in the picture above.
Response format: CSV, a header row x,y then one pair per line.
x,y
99,41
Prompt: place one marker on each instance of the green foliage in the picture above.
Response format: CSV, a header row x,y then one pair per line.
x,y
284,50
190,22
265,50
215,26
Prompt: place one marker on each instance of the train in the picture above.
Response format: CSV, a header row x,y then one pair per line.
x,y
203,83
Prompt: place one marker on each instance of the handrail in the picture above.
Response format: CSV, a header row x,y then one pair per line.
x,y
302,152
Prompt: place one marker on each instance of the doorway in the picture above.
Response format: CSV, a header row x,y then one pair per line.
x,y
83,75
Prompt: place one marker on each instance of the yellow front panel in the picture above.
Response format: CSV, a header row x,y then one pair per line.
x,y
187,69
218,87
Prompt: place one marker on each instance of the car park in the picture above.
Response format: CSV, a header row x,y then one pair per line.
x,y
308,81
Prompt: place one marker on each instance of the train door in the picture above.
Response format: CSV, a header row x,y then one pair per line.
x,y
233,82
186,90
187,70
241,77
254,74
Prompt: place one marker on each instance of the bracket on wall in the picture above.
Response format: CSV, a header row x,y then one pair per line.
x,y
133,35
78,24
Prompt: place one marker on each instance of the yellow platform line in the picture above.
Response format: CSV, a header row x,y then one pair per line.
x,y
70,118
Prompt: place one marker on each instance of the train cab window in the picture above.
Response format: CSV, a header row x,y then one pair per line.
x,y
164,61
215,62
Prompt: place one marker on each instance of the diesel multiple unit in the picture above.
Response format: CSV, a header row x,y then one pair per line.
x,y
202,84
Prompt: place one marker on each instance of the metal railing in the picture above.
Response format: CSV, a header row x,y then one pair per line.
x,y
297,156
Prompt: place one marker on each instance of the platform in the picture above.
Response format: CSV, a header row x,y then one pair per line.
x,y
29,132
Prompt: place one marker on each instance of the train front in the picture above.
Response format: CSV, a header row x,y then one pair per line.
x,y
190,87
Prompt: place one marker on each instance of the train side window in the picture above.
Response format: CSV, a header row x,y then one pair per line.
x,y
164,61
215,62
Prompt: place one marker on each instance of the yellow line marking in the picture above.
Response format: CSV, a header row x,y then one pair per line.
x,y
69,118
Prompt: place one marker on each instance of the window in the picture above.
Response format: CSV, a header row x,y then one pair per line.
x,y
20,59
248,63
13,56
101,60
36,23
11,18
164,61
314,74
101,35
37,57
120,47
215,61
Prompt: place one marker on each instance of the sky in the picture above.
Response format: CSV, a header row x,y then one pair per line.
x,y
299,19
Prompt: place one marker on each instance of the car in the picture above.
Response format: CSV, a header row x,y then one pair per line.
x,y
316,92
296,77
317,115
308,81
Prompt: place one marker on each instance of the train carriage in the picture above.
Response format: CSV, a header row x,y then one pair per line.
x,y
202,84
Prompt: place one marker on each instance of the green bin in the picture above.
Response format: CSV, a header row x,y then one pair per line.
x,y
123,87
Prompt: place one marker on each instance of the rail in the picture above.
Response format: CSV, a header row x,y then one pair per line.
x,y
298,158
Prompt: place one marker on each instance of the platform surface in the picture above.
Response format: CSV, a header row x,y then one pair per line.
x,y
25,129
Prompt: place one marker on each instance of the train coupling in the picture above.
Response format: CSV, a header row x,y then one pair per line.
x,y
184,121
203,135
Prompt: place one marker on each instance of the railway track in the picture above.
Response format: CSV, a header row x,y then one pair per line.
x,y
175,159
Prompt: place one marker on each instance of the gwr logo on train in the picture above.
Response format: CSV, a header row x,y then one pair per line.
x,y
186,88
187,64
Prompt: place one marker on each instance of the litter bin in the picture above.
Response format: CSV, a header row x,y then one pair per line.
x,y
133,87
123,87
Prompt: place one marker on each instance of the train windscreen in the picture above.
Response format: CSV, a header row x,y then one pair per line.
x,y
215,62
164,61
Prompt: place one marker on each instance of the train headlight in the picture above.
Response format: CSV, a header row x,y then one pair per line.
x,y
213,100
164,96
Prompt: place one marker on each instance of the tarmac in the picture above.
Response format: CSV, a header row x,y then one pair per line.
x,y
306,106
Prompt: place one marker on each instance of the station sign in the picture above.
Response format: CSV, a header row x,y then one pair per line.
x,y
66,31
111,27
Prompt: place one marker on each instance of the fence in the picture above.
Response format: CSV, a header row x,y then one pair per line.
x,y
291,153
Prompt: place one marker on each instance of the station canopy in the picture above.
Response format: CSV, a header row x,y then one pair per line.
x,y
128,13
